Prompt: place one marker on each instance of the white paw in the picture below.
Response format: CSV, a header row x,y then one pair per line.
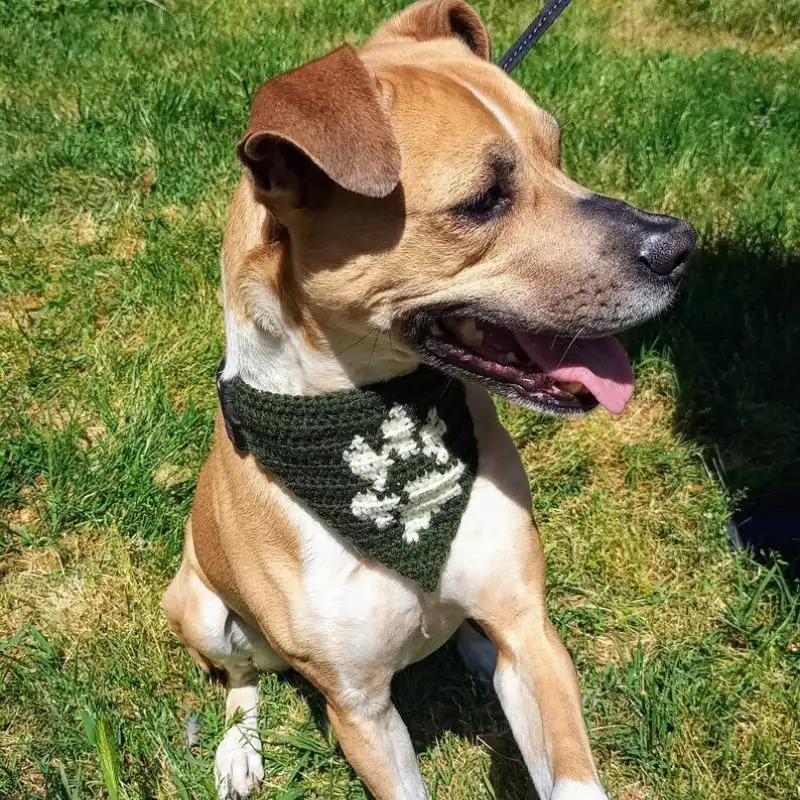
x,y
238,767
568,789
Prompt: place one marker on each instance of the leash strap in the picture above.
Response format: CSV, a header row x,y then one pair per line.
x,y
552,10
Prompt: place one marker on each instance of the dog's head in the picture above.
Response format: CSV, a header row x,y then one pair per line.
x,y
418,191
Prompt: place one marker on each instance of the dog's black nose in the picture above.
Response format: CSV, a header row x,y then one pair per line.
x,y
653,244
667,245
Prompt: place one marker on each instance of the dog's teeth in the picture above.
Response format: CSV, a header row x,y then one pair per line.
x,y
436,329
468,331
511,358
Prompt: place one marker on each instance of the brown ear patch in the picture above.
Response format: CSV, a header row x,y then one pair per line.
x,y
330,111
467,25
439,19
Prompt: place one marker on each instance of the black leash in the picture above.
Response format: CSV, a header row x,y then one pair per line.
x,y
552,10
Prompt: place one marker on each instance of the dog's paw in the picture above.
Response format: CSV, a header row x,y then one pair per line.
x,y
238,767
568,789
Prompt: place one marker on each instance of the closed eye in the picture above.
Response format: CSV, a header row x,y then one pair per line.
x,y
485,205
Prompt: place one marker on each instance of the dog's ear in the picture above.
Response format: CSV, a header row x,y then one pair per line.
x,y
327,115
437,19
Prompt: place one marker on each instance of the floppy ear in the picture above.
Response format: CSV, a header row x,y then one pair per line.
x,y
438,19
327,112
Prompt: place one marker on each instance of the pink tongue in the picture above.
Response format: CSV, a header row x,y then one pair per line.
x,y
601,365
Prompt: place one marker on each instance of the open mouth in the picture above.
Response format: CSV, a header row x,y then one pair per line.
x,y
560,375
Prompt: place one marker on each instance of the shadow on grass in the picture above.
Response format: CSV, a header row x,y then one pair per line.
x,y
437,697
734,339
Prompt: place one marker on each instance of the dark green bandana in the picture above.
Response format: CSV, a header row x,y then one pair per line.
x,y
389,466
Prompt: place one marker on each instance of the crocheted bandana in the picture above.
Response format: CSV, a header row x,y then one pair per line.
x,y
389,466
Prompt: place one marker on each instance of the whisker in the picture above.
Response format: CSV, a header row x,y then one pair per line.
x,y
351,346
377,335
574,339
446,386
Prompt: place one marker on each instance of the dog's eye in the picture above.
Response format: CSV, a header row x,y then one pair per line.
x,y
486,205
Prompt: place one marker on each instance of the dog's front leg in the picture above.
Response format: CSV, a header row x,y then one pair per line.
x,y
238,766
377,745
496,575
370,730
538,689
534,676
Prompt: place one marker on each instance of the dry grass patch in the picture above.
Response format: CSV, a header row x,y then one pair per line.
x,y
86,579
126,239
16,308
642,25
627,518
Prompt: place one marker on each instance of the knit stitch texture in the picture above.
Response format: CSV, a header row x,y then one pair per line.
x,y
389,466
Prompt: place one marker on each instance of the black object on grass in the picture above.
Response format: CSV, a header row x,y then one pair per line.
x,y
769,525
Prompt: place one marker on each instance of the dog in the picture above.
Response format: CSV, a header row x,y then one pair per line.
x,y
402,208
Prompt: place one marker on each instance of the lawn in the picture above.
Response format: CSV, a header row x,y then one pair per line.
x,y
117,125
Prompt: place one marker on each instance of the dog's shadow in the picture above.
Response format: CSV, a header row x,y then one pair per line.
x,y
734,340
443,708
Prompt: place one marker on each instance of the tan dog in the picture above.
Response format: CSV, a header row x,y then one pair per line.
x,y
405,203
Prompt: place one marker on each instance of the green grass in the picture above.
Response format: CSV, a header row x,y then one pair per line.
x,y
117,125
750,18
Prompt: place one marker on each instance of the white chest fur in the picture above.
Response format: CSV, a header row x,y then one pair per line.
x,y
361,614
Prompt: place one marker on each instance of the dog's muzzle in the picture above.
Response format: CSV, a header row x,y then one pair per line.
x,y
656,245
